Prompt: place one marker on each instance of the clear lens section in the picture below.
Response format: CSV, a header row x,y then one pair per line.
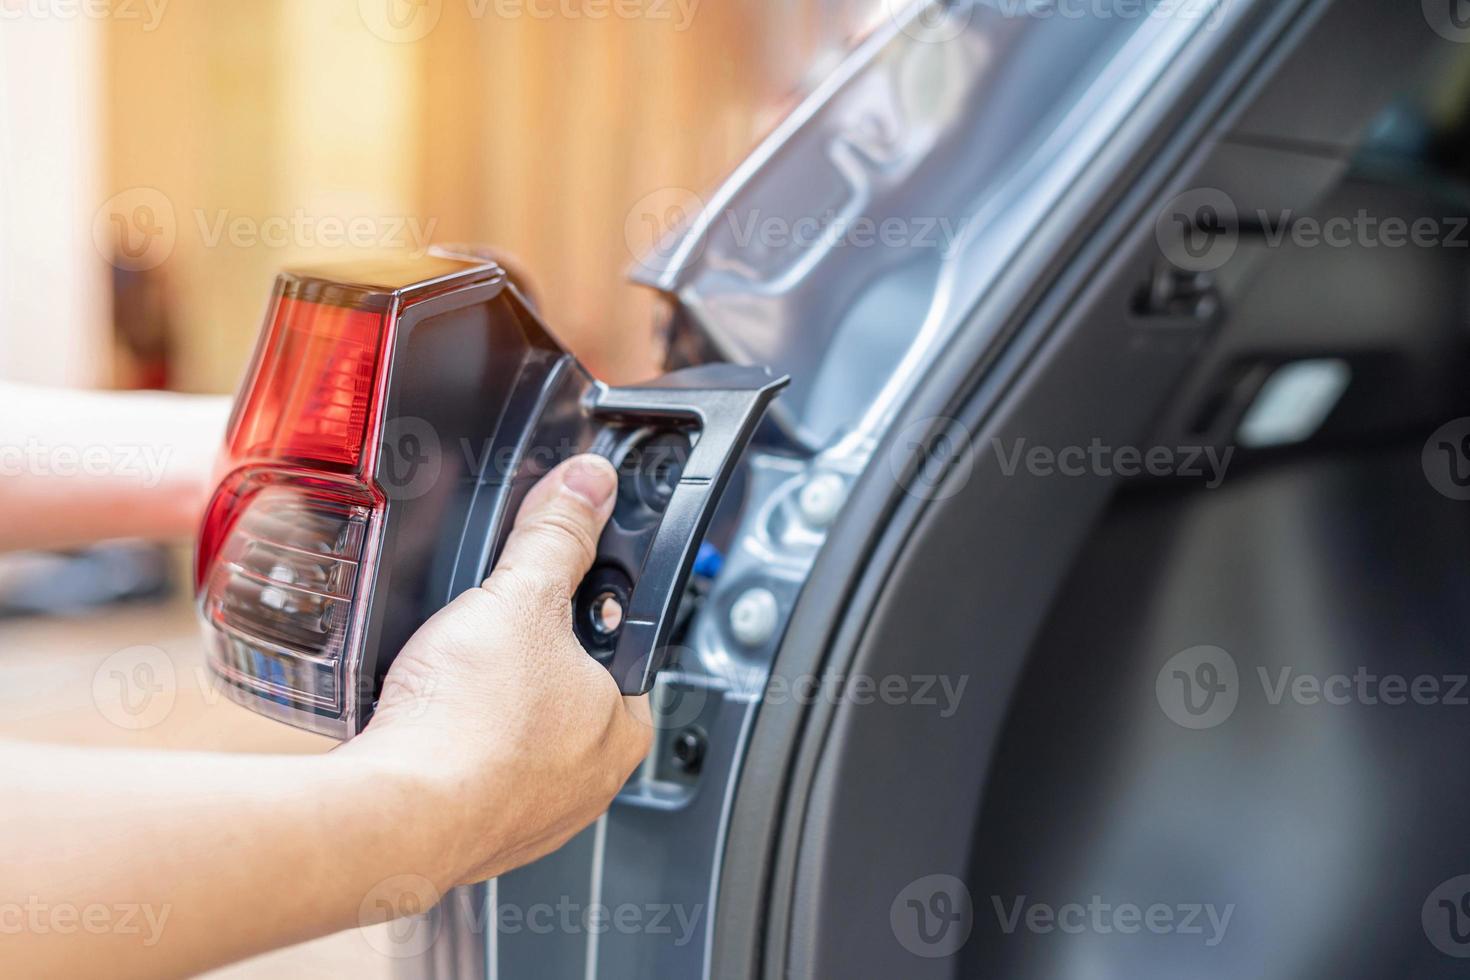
x,y
279,595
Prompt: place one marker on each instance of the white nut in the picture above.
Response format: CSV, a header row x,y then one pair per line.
x,y
821,499
754,617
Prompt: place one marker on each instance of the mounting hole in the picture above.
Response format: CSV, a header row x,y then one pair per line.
x,y
606,613
600,608
648,473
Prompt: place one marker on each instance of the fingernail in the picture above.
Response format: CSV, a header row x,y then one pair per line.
x,y
592,478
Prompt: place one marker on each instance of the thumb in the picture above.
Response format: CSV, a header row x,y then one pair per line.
x,y
554,541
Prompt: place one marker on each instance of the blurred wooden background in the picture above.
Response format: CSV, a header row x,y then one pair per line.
x,y
533,125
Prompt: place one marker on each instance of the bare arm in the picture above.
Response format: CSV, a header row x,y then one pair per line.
x,y
160,864
79,466
497,738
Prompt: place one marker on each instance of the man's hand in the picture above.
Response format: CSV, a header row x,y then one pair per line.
x,y
495,706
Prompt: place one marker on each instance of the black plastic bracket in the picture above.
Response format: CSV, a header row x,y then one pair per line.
x,y
719,406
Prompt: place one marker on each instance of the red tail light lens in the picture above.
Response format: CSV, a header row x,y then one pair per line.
x,y
313,388
307,405
287,536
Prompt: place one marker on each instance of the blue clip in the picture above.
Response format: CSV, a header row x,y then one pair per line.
x,y
708,562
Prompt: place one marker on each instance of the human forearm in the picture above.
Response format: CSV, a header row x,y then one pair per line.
x,y
208,858
496,739
78,466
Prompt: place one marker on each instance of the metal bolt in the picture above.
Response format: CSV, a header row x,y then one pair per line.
x,y
689,747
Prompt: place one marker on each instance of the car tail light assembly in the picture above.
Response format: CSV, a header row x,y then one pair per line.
x,y
392,420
